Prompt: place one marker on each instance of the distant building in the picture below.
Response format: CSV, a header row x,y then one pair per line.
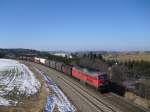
x,y
63,55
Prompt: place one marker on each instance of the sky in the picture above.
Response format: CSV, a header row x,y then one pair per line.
x,y
73,25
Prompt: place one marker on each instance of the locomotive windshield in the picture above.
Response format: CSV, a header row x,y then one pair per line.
x,y
103,77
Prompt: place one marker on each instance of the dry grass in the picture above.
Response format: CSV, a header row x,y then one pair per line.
x,y
138,100
127,57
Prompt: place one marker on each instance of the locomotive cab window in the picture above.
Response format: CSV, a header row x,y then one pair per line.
x,y
103,77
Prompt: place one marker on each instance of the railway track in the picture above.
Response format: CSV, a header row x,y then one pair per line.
x,y
93,101
108,102
91,98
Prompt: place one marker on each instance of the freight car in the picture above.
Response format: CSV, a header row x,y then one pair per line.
x,y
52,64
37,60
47,63
67,69
59,66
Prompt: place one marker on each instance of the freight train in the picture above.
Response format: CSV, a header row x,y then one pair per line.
x,y
96,79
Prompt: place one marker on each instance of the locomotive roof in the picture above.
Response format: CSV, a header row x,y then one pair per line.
x,y
90,72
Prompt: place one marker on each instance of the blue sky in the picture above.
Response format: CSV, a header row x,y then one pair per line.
x,y
75,24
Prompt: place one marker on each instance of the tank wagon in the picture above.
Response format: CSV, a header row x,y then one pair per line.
x,y
96,79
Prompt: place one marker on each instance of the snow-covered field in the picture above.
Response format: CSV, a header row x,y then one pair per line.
x,y
16,80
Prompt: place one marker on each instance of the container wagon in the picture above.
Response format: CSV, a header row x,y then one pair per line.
x,y
37,60
40,60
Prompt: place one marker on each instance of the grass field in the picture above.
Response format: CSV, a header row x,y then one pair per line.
x,y
126,57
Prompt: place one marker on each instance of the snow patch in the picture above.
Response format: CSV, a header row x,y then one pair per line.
x,y
58,98
50,104
5,102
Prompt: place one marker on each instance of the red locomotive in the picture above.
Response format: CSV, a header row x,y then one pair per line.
x,y
94,78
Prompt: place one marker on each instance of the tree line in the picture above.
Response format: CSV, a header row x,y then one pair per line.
x,y
135,75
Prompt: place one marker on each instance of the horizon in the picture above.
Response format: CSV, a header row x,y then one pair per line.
x,y
80,50
75,25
